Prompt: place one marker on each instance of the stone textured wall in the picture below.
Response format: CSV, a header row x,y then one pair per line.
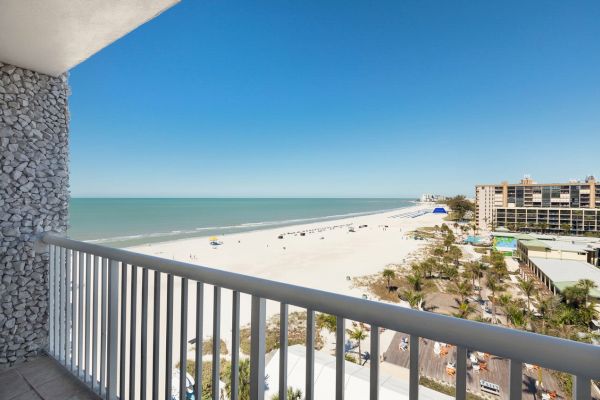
x,y
34,195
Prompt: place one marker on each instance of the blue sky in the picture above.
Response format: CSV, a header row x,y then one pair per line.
x,y
339,98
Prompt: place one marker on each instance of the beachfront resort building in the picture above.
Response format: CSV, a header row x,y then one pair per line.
x,y
561,262
571,207
81,320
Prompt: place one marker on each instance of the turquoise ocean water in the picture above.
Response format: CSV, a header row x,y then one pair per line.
x,y
127,221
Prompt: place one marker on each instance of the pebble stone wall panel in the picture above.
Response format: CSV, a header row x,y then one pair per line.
x,y
34,194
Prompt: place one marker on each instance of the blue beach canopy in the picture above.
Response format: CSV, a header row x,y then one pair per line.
x,y
440,210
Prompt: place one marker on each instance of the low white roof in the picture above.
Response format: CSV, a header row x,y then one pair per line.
x,y
356,384
53,36
568,246
565,273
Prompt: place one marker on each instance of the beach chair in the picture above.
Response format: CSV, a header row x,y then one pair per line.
x,y
451,369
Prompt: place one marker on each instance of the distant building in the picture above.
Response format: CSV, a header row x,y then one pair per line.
x,y
572,207
432,198
562,262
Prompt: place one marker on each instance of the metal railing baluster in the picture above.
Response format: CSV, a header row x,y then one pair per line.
x,y
340,360
461,373
95,331
123,332
66,337
515,378
60,338
113,330
156,337
183,341
103,326
374,363
216,344
144,336
51,289
199,339
133,334
582,389
58,279
413,389
80,316
235,345
88,318
257,348
283,350
74,302
169,339
310,354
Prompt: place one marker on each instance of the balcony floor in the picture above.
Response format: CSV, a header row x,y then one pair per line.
x,y
41,379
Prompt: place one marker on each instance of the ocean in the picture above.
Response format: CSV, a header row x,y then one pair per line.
x,y
122,222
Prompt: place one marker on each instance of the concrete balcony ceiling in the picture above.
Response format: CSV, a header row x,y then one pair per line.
x,y
53,36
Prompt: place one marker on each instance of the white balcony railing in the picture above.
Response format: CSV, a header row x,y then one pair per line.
x,y
89,286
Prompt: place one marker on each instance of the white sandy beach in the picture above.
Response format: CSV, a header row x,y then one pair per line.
x,y
322,259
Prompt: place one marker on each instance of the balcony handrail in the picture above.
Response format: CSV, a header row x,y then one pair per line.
x,y
577,358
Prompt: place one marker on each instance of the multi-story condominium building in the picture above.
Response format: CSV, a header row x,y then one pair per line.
x,y
572,207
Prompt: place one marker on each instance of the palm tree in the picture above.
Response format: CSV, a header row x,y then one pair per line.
x,y
358,334
494,285
416,281
389,274
449,239
545,306
414,299
292,394
587,312
427,266
464,310
455,254
587,285
462,288
327,321
516,316
565,228
438,251
528,287
475,269
244,379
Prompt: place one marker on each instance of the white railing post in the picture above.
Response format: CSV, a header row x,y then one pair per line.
x,y
340,361
113,330
413,388
257,349
582,389
374,363
515,379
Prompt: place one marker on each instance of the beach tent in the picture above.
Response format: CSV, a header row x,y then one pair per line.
x,y
440,210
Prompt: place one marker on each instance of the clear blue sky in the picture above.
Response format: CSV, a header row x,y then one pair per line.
x,y
339,98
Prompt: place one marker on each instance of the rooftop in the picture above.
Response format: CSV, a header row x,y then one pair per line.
x,y
356,377
560,245
565,273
